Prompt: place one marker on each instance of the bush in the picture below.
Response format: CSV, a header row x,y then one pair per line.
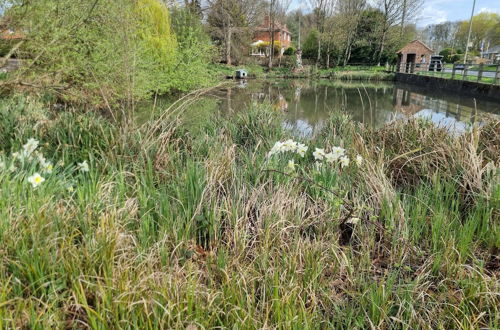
x,y
289,51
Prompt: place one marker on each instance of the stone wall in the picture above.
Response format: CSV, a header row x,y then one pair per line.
x,y
470,88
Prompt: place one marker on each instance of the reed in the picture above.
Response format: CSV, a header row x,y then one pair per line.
x,y
186,222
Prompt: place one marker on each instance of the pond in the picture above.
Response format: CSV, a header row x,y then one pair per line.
x,y
307,104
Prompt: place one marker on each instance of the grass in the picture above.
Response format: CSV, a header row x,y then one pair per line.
x,y
349,73
458,76
183,222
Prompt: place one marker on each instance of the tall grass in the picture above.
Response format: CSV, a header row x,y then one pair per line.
x,y
179,223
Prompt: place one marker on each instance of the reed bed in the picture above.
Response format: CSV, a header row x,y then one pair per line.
x,y
187,222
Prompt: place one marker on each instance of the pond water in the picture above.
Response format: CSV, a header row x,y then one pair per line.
x,y
307,104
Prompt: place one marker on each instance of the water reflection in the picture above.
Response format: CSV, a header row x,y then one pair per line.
x,y
307,104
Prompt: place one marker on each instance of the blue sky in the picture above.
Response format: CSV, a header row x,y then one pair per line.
x,y
438,11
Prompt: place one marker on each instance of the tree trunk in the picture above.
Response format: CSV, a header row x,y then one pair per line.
x,y
328,56
403,16
228,45
382,45
318,59
271,31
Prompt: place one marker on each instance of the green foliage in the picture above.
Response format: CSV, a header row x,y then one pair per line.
x,y
187,225
195,51
158,41
310,46
289,51
104,52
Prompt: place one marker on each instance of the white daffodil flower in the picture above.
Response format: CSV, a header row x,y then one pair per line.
x,y
83,166
289,145
48,167
276,149
302,149
353,221
338,152
344,161
331,157
40,157
30,146
359,160
319,154
291,165
36,180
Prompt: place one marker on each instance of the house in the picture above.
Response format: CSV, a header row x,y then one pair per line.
x,y
414,56
8,34
492,54
262,38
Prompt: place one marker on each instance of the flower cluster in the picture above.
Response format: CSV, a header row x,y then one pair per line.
x,y
336,154
30,158
288,146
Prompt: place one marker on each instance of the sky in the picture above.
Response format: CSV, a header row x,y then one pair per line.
x,y
438,11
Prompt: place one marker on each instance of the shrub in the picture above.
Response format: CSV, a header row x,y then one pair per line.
x,y
289,51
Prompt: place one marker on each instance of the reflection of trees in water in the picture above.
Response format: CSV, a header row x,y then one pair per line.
x,y
308,104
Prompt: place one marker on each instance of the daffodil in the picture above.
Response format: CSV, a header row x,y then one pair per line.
x,y
319,154
353,221
83,166
331,157
12,168
359,160
289,145
71,189
291,165
48,167
318,165
302,149
40,157
277,148
344,161
30,146
337,152
36,180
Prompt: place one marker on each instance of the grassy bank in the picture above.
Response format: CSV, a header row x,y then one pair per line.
x,y
187,221
343,73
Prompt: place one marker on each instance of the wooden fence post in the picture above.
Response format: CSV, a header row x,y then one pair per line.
x,y
480,73
453,71
497,75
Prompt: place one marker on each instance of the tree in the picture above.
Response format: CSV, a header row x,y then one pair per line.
x,y
322,9
349,13
393,12
99,52
231,22
277,10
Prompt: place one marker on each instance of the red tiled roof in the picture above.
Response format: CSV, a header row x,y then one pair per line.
x,y
11,35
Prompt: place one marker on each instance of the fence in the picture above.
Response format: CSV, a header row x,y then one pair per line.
x,y
484,73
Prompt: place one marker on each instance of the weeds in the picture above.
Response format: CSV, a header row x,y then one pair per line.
x,y
180,224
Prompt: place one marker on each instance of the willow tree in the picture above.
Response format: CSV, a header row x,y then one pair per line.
x,y
159,44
